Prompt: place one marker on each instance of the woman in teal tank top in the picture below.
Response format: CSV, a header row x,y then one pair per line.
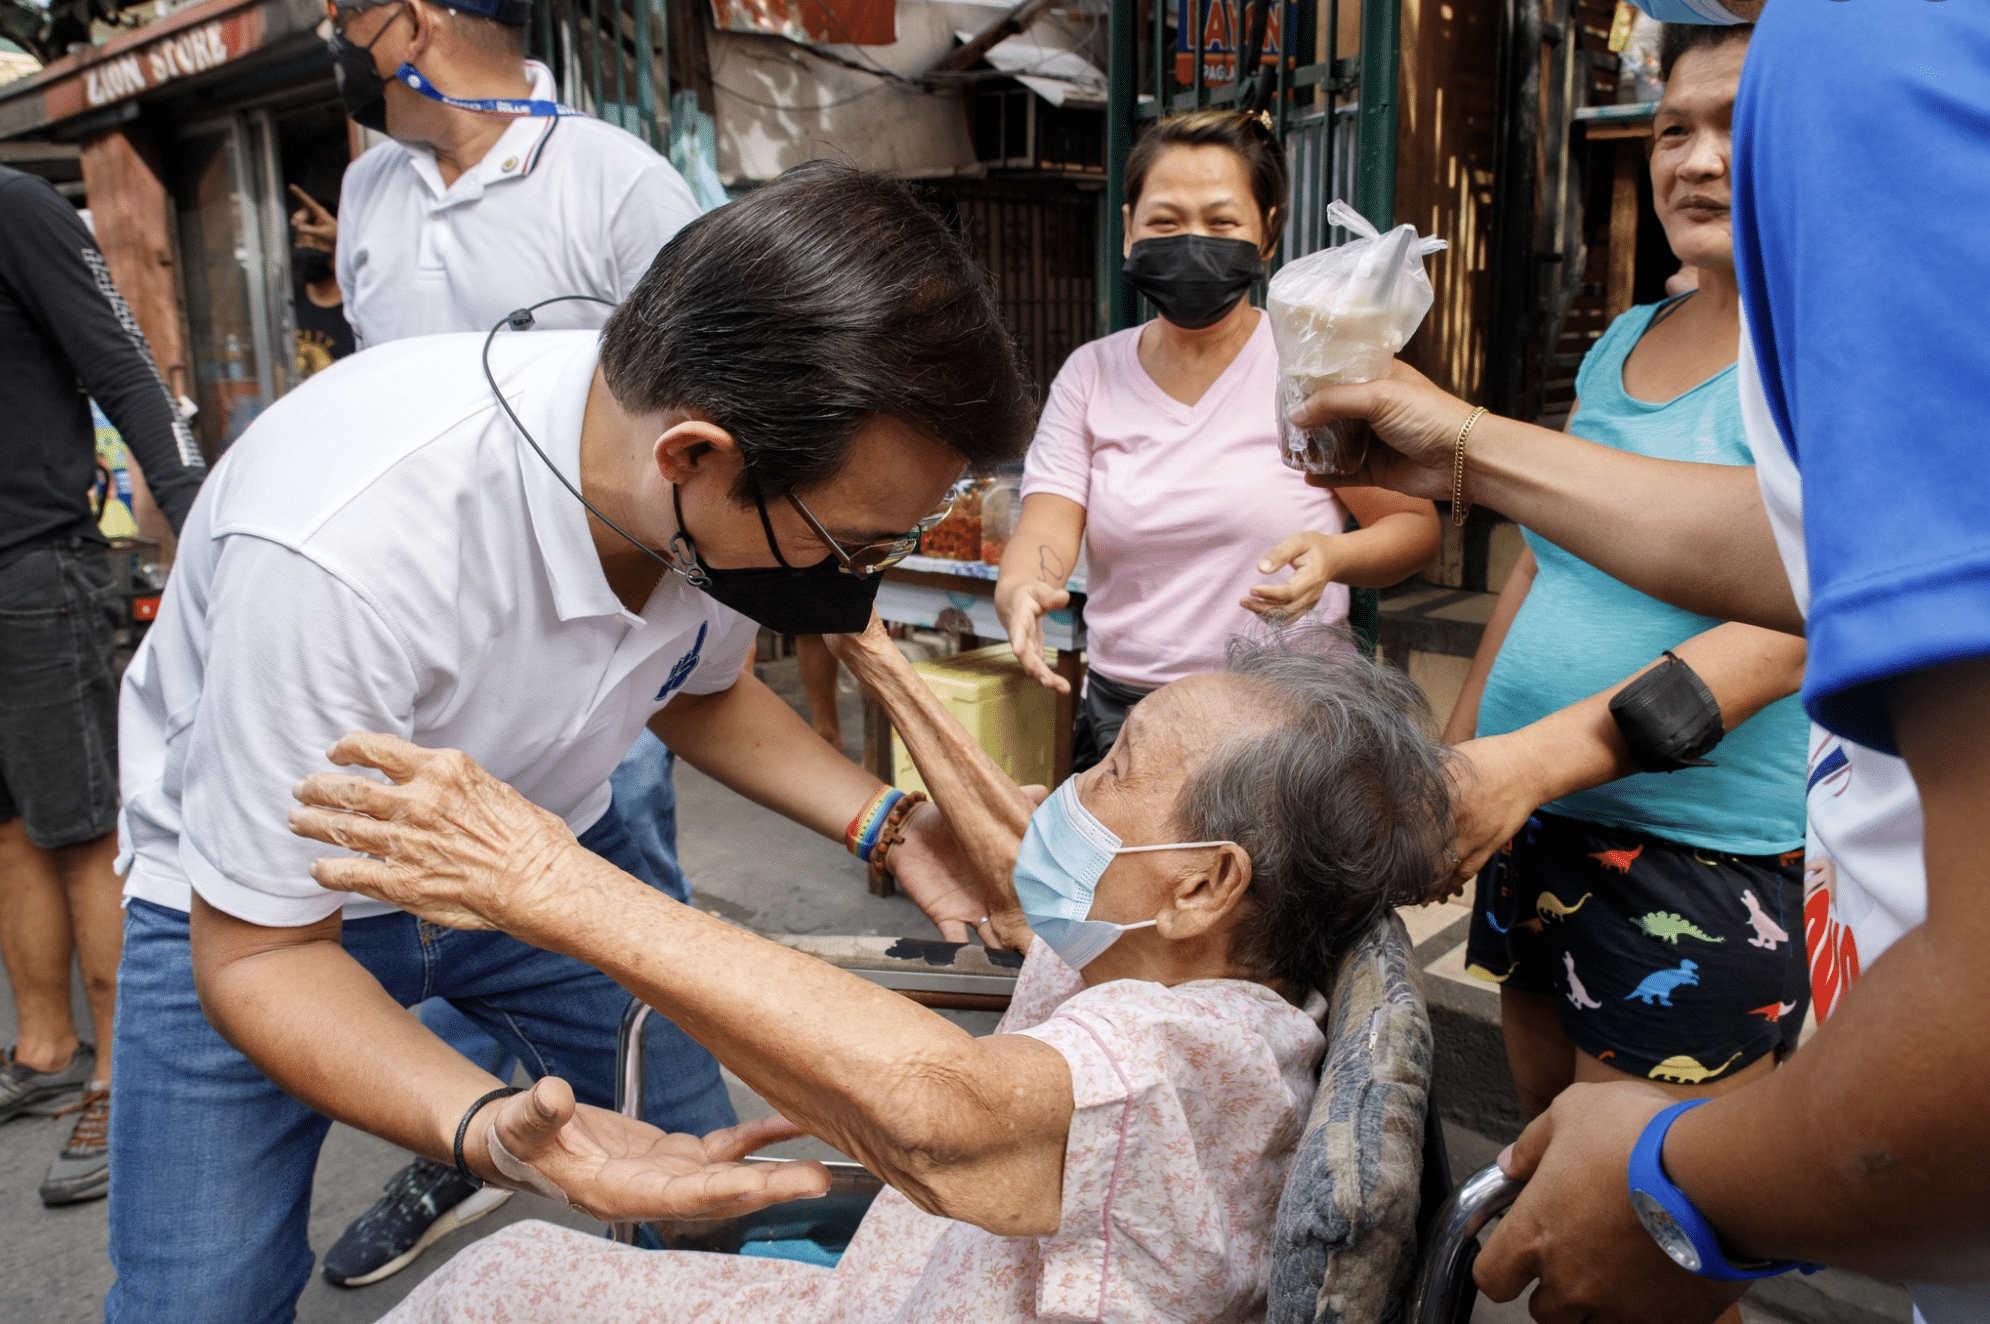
x,y
1646,924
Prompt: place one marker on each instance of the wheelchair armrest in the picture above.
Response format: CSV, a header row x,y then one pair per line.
x,y
959,976
1444,1288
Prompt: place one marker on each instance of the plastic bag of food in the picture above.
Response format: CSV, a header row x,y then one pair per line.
x,y
1339,316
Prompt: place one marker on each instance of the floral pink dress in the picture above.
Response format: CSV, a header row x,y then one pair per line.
x,y
1189,1101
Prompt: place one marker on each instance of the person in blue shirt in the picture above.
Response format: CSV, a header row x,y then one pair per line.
x,y
1862,183
1599,878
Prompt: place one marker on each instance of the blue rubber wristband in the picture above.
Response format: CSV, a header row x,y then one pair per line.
x,y
1674,1223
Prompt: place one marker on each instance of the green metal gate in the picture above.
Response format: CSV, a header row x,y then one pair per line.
x,y
610,58
1336,115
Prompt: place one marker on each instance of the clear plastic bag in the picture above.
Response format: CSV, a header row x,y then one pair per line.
x,y
1339,316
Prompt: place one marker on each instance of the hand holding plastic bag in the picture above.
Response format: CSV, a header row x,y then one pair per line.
x,y
1339,316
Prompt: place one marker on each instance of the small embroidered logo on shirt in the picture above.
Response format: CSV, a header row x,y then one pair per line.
x,y
510,164
681,670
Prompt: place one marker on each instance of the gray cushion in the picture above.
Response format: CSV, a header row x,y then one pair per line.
x,y
1345,1241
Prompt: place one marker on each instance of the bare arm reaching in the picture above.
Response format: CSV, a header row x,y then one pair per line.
x,y
1040,558
266,990
969,1128
1693,535
1501,779
985,810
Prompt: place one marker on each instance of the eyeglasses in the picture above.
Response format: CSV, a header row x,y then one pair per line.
x,y
344,14
874,558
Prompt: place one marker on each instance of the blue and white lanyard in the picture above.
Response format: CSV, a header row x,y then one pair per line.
x,y
484,105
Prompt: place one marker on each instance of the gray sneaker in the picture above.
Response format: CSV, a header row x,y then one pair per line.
x,y
25,1091
82,1171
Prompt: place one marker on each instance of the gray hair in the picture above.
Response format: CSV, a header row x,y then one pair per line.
x,y
1339,796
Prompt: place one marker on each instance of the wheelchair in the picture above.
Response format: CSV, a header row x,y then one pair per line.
x,y
1369,1228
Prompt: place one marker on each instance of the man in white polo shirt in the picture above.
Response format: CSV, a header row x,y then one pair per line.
x,y
491,195
789,391
488,196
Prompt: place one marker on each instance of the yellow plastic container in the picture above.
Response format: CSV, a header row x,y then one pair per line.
x,y
1009,715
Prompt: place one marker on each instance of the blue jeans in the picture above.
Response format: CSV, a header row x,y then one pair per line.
x,y
648,799
212,1162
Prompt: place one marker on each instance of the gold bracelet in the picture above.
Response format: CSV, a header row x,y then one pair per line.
x,y
1459,506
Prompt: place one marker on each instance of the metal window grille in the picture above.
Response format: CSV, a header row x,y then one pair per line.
x,y
1035,244
609,58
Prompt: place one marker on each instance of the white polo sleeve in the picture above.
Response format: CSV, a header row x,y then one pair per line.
x,y
295,659
657,205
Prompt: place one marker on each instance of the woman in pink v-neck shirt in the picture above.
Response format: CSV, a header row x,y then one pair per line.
x,y
1159,449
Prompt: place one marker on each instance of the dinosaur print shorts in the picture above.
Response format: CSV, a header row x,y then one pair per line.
x,y
1665,960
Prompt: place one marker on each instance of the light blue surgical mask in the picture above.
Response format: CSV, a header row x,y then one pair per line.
x,y
1687,11
1064,853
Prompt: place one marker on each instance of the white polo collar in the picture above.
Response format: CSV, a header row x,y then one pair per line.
x,y
552,402
513,156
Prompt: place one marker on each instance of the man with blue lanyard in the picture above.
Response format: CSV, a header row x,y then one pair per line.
x,y
1863,269
488,196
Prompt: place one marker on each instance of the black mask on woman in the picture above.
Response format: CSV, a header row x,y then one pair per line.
x,y
1193,280
812,599
361,87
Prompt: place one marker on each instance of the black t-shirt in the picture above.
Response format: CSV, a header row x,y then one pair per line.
x,y
323,334
66,337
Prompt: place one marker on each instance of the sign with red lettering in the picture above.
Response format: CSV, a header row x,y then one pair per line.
x,y
1224,27
191,41
183,53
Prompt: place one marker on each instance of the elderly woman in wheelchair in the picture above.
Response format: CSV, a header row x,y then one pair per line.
x,y
1115,1150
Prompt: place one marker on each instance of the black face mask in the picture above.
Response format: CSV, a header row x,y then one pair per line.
x,y
1194,280
814,599
361,87
310,265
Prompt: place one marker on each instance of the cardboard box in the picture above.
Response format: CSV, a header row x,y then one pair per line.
x,y
1009,715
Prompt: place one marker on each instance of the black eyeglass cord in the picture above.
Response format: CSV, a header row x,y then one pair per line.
x,y
521,319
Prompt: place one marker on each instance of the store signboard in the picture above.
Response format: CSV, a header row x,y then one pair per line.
x,y
205,47
1224,27
190,41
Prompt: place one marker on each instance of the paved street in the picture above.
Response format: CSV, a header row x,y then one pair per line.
x,y
748,865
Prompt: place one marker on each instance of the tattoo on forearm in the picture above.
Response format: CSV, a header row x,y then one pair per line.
x,y
1050,567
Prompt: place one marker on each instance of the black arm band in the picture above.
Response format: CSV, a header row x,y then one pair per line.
x,y
1668,717
463,1129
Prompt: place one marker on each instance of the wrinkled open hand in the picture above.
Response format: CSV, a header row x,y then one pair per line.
x,y
1573,1227
1416,421
619,1169
449,842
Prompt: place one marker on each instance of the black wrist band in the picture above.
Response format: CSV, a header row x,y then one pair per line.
x,y
1668,717
463,1129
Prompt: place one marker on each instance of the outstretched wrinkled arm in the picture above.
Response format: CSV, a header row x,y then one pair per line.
x,y
987,812
968,1128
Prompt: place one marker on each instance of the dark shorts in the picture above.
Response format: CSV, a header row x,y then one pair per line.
x,y
1102,710
58,693
1664,960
